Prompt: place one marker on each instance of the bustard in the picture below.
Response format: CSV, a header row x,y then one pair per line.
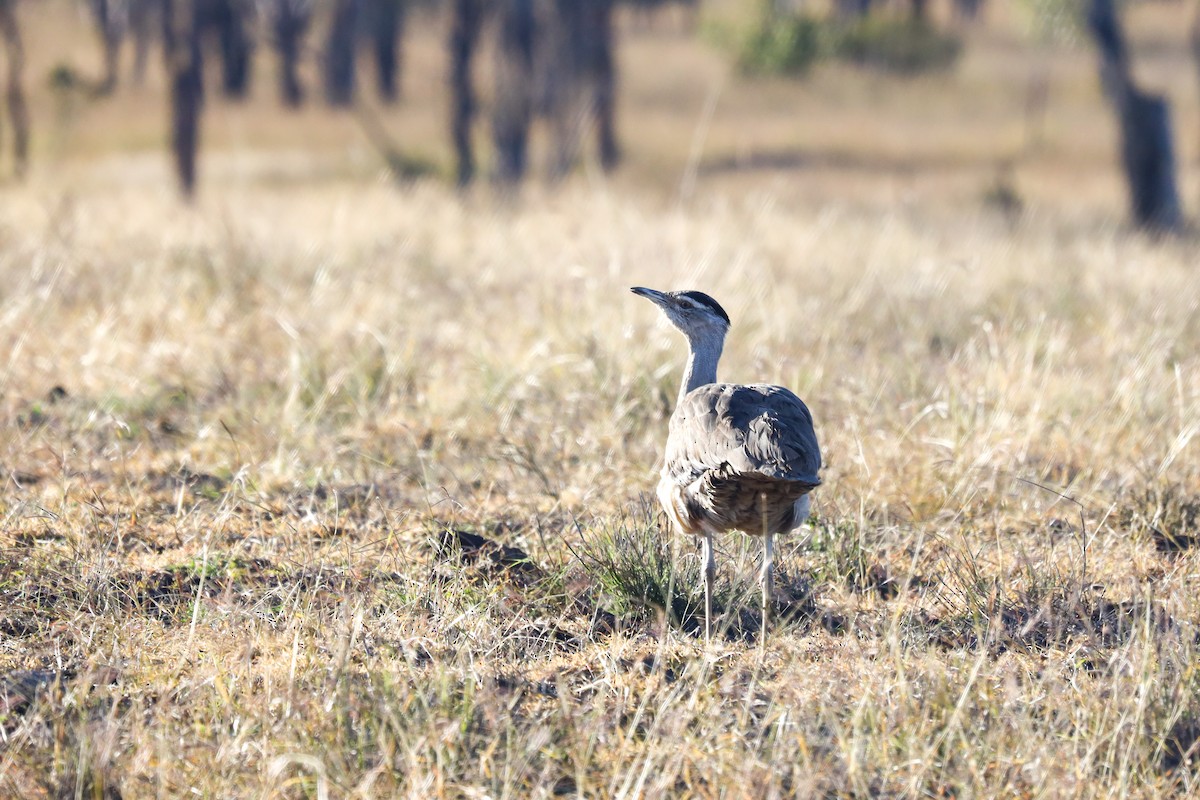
x,y
738,457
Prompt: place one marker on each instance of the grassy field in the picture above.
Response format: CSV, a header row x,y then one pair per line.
x,y
324,487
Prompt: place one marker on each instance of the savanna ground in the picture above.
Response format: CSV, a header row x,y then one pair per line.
x,y
330,487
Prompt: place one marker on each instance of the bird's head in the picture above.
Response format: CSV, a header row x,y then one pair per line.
x,y
694,313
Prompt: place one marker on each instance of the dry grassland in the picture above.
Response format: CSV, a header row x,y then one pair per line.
x,y
248,449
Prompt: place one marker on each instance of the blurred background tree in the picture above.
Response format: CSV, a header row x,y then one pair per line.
x,y
14,93
1144,120
555,62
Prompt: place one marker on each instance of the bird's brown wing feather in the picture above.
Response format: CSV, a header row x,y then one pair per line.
x,y
756,431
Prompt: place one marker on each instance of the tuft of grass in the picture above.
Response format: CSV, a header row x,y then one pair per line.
x,y
787,45
839,553
645,574
899,45
639,571
1166,513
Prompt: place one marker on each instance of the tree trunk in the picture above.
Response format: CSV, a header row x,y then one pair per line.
x,y
18,113
111,26
290,20
513,109
605,77
466,22
574,64
1147,150
1147,153
230,19
141,23
967,11
181,45
1195,40
554,58
853,9
385,28
340,53
561,59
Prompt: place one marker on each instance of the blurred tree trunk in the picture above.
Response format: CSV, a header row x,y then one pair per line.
x,y
1195,39
575,66
289,22
141,22
554,58
605,73
340,53
385,28
230,19
111,21
562,54
115,20
1147,150
18,113
184,63
920,10
967,11
466,23
854,9
514,90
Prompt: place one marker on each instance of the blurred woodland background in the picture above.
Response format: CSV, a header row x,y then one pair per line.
x,y
1043,100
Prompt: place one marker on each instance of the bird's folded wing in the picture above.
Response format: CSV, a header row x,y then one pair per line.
x,y
755,429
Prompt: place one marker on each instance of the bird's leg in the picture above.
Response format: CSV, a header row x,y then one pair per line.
x,y
768,567
710,571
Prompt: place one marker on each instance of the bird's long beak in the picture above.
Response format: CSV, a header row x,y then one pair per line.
x,y
650,294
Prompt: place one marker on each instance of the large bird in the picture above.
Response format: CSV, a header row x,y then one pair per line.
x,y
738,457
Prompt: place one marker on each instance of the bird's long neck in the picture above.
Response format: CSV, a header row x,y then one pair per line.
x,y
703,354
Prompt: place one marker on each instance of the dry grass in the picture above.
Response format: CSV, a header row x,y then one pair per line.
x,y
246,446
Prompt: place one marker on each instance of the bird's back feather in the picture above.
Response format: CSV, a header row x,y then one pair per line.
x,y
752,429
740,456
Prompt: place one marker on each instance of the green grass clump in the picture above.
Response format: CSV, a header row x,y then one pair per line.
x,y
633,562
790,44
896,45
785,45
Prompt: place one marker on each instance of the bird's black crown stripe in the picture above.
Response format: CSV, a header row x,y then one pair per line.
x,y
701,297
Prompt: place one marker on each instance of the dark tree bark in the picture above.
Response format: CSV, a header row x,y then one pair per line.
x,y
184,57
229,19
290,20
604,67
111,23
141,23
920,10
385,31
854,9
562,57
554,58
575,66
1147,150
18,113
115,21
1195,40
967,11
466,24
340,53
514,89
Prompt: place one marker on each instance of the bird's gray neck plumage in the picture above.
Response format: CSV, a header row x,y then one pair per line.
x,y
703,354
